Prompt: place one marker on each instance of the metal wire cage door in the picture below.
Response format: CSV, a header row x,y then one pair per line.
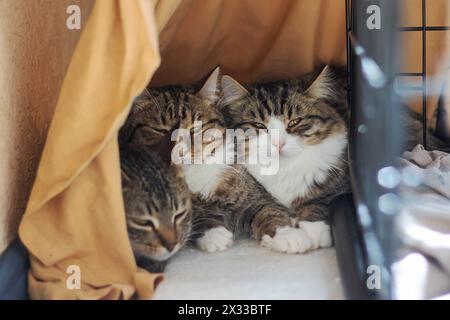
x,y
373,53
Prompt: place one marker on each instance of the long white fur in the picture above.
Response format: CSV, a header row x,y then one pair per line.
x,y
204,178
300,165
215,239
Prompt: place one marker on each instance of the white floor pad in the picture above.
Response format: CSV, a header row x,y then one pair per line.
x,y
248,271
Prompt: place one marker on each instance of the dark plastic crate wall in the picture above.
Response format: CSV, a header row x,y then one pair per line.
x,y
372,53
374,142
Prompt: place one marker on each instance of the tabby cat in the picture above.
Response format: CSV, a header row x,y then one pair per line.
x,y
227,199
158,206
309,114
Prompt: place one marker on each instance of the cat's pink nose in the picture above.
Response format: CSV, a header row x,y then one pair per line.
x,y
280,145
168,240
170,246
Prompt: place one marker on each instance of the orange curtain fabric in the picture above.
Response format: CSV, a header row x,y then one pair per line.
x,y
75,214
252,40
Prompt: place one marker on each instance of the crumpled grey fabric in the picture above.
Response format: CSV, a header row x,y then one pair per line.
x,y
424,226
432,166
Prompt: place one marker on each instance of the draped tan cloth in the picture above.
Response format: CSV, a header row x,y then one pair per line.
x,y
75,215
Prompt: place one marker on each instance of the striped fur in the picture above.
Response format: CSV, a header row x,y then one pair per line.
x,y
240,204
311,114
234,200
158,207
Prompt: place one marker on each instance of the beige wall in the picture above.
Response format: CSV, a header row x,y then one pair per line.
x,y
35,49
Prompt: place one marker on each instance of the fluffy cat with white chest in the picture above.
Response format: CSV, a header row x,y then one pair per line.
x,y
309,116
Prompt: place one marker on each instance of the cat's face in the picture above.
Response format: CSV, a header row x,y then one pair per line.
x,y
203,131
158,112
201,120
158,212
288,116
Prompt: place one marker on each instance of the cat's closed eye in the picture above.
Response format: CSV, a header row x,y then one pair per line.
x,y
179,216
143,223
305,130
196,129
147,128
159,130
259,125
294,122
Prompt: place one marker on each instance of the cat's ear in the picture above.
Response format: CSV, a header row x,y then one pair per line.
x,y
232,90
210,90
322,85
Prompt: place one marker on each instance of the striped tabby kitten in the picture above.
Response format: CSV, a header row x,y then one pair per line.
x,y
309,114
227,199
158,206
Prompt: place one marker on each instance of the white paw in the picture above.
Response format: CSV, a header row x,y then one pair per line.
x,y
287,239
319,232
215,239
